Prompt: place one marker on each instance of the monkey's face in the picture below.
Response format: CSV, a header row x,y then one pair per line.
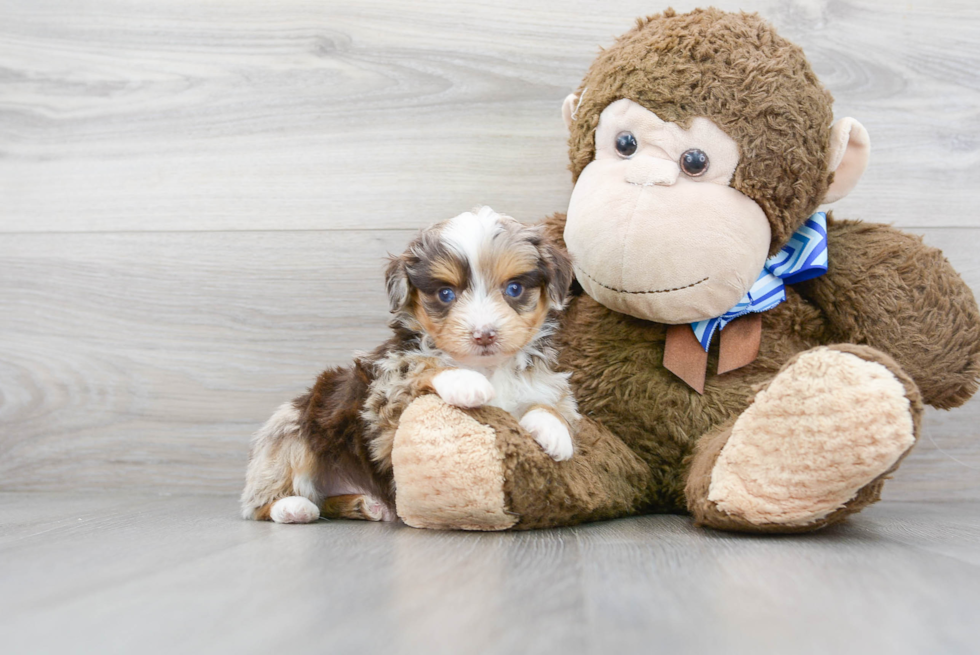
x,y
654,229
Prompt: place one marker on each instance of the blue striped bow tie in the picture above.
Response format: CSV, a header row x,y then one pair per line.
x,y
803,258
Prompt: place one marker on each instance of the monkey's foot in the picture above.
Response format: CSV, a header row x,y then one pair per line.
x,y
818,441
448,471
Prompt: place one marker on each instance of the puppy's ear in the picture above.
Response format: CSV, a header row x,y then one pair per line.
x,y
397,284
559,273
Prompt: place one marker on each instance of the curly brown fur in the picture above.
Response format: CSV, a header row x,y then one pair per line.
x,y
618,379
734,68
889,290
543,493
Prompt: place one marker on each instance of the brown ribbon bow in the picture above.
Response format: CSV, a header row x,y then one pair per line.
x,y
685,358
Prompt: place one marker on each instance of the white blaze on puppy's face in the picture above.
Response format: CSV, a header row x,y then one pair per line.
x,y
480,314
653,226
484,285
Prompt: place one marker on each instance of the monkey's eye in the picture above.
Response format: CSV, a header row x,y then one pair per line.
x,y
446,295
514,289
625,144
694,162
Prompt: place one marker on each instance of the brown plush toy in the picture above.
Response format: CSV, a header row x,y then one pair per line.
x,y
702,145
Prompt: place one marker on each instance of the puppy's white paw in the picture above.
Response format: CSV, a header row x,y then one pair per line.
x,y
550,432
373,510
463,388
294,509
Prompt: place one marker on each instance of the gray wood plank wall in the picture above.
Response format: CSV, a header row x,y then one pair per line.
x,y
196,196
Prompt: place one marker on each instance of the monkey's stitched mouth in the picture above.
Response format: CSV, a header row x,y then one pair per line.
x,y
606,286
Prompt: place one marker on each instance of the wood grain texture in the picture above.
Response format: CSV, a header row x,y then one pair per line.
x,y
138,359
128,573
207,115
196,196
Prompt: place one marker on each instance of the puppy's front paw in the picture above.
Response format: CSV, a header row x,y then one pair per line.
x,y
463,388
550,432
294,509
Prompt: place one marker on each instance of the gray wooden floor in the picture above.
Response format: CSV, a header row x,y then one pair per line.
x,y
181,574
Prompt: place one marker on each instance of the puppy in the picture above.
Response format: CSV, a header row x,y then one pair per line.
x,y
474,301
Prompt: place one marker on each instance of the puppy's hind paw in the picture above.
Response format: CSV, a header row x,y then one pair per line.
x,y
550,433
294,509
463,388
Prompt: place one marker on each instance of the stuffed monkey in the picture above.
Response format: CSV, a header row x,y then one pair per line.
x,y
735,353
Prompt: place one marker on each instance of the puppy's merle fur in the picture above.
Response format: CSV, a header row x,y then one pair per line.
x,y
474,301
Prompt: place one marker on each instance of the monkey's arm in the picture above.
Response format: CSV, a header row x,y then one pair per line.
x,y
889,290
479,470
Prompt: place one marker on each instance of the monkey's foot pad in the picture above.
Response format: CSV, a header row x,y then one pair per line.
x,y
827,425
448,471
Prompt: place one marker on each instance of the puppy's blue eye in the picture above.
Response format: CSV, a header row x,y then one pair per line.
x,y
447,295
514,289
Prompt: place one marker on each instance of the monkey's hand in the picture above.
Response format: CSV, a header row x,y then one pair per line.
x,y
480,470
463,388
887,289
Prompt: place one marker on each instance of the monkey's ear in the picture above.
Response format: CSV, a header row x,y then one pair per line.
x,y
850,149
568,109
396,282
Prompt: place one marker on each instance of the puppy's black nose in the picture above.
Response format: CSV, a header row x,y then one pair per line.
x,y
484,337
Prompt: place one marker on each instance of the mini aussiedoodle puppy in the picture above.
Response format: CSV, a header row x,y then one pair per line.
x,y
474,301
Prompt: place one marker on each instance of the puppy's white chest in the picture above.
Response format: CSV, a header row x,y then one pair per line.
x,y
515,392
505,397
